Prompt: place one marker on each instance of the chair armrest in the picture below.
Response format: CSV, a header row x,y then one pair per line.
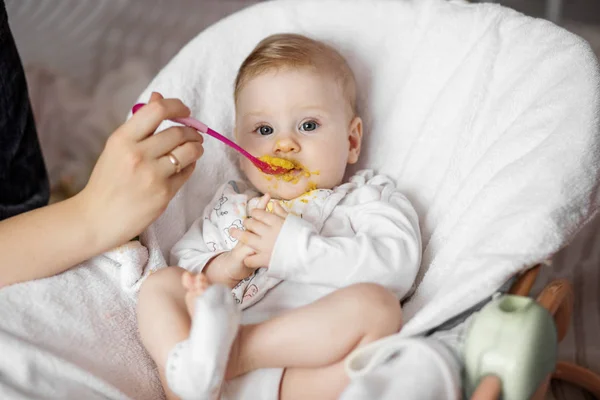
x,y
523,285
557,298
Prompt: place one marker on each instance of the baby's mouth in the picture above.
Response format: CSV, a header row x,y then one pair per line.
x,y
288,166
293,170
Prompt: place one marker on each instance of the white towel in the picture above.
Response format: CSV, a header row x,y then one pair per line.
x,y
485,118
73,336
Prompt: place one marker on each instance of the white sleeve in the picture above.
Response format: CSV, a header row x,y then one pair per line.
x,y
203,241
192,252
385,248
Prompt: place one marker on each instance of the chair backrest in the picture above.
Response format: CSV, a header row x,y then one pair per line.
x,y
485,118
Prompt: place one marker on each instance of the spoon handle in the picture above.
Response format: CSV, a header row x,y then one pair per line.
x,y
199,126
202,127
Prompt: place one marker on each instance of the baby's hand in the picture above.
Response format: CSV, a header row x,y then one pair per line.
x,y
237,256
261,234
239,253
236,269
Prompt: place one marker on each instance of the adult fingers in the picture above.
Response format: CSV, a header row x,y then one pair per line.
x,y
155,96
179,158
179,179
145,121
166,141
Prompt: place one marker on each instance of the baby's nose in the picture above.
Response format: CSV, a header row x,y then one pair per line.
x,y
286,146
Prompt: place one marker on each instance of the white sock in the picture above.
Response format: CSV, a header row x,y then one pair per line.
x,y
196,367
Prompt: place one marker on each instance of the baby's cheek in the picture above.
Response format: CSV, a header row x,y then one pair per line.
x,y
329,173
259,180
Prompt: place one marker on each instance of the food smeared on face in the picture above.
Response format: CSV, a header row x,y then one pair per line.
x,y
278,162
294,170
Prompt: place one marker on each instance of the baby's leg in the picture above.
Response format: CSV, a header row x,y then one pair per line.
x,y
312,341
163,317
191,360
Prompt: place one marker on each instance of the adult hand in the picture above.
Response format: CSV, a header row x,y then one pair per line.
x,y
138,173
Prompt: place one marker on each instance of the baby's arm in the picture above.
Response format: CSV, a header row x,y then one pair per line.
x,y
383,247
203,248
228,268
192,253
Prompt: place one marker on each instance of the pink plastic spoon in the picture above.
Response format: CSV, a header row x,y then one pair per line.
x,y
201,127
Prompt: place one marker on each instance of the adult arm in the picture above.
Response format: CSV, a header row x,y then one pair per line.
x,y
130,186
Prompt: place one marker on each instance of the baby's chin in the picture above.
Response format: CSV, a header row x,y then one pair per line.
x,y
281,190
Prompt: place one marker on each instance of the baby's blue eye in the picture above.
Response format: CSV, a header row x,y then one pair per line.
x,y
264,130
309,126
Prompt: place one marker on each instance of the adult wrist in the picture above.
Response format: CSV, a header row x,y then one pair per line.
x,y
86,219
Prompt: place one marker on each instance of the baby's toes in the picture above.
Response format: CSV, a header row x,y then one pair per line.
x,y
188,280
198,284
202,282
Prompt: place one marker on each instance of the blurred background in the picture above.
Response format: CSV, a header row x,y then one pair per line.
x,y
87,61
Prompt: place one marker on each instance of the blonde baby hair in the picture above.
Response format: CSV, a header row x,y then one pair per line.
x,y
289,50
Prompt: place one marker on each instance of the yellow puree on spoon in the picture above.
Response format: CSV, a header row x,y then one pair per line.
x,y
278,162
289,166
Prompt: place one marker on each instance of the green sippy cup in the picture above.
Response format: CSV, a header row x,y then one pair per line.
x,y
514,339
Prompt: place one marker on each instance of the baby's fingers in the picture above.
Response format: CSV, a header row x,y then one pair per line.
x,y
245,237
263,202
265,217
245,250
279,210
255,261
236,234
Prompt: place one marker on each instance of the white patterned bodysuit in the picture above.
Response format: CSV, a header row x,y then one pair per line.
x,y
364,230
228,209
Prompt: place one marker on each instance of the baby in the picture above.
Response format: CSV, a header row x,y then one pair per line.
x,y
322,263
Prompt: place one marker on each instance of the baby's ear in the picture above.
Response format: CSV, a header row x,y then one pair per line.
x,y
355,139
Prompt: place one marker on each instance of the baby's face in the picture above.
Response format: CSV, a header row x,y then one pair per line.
x,y
302,116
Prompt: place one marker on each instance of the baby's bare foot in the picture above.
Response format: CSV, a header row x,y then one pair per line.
x,y
196,285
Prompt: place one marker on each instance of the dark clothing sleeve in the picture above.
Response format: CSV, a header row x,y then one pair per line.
x,y
23,177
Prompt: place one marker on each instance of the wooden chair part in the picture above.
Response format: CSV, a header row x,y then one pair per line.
x,y
557,298
579,376
523,285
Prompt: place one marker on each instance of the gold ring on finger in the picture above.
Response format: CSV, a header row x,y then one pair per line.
x,y
175,162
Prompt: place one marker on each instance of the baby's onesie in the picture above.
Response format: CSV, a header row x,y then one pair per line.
x,y
364,230
228,209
